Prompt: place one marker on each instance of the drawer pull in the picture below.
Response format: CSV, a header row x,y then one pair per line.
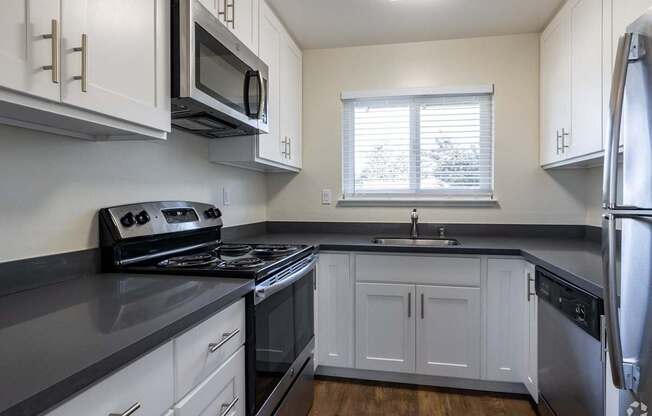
x,y
214,346
227,407
129,411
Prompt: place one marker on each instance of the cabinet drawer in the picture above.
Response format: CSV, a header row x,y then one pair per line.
x,y
147,382
202,349
456,271
223,390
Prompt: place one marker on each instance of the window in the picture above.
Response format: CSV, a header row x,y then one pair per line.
x,y
424,145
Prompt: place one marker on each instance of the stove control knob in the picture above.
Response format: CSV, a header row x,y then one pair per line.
x,y
580,313
142,217
213,213
128,220
217,212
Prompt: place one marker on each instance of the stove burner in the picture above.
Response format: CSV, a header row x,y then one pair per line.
x,y
273,250
233,249
246,263
195,260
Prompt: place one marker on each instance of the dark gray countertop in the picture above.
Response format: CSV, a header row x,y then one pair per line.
x,y
58,339
575,260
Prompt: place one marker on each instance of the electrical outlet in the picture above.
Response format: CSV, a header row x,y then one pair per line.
x,y
226,197
326,197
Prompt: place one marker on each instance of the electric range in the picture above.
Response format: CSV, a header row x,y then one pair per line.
x,y
184,238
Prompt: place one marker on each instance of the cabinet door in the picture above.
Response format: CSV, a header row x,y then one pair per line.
x,y
531,379
291,103
245,22
506,297
448,331
586,79
385,320
270,52
127,59
555,86
335,311
23,50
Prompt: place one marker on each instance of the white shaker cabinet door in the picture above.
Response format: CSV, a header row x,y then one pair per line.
x,y
448,331
291,102
385,328
506,298
23,49
335,292
115,59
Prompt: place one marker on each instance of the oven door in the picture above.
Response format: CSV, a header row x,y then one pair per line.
x,y
219,86
284,327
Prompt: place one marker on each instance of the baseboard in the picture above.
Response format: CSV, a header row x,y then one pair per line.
x,y
422,380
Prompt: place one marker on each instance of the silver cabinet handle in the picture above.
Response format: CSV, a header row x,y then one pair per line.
x,y
227,407
219,13
228,6
529,291
410,305
129,411
423,307
84,63
54,38
564,134
610,178
558,138
214,346
611,300
289,147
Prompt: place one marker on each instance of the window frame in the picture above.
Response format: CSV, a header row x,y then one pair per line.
x,y
411,197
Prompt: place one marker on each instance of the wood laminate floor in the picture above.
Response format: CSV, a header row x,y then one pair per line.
x,y
349,398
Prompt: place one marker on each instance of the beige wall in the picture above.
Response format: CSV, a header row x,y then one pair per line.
x,y
51,187
594,196
526,193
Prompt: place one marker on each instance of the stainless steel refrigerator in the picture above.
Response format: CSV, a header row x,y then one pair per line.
x,y
628,214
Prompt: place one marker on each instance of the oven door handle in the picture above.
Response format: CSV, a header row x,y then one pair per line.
x,y
263,290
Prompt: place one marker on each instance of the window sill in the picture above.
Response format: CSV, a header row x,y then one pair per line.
x,y
418,202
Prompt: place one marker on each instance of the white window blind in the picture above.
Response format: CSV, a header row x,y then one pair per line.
x,y
421,146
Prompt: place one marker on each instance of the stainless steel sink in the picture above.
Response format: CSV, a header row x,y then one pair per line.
x,y
432,242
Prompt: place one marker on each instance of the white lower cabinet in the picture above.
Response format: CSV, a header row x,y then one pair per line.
x,y
385,330
530,376
147,382
506,298
334,313
448,331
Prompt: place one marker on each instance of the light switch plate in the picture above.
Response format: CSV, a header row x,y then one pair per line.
x,y
326,197
226,197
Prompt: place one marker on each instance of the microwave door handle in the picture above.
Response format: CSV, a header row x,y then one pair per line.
x,y
262,291
262,96
247,85
610,178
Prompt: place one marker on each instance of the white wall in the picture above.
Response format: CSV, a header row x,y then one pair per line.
x,y
594,197
527,194
51,187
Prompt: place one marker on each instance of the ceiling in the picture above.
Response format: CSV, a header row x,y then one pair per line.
x,y
340,23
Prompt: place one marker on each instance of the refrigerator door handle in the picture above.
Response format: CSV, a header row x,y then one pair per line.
x,y
611,300
610,179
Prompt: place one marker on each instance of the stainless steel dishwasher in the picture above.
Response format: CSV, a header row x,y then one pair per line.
x,y
571,360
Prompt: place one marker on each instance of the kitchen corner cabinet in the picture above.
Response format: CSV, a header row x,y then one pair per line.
x,y
280,149
334,317
572,99
87,69
506,319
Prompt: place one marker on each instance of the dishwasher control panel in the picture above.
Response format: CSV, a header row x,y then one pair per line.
x,y
582,308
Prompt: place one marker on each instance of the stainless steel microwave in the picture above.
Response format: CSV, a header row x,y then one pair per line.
x,y
219,86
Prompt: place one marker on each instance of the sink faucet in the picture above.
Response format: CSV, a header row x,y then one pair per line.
x,y
414,230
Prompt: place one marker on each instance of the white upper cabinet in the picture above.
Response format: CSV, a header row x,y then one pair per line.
x,y
114,57
385,327
269,145
28,46
506,298
448,331
291,69
586,79
240,16
86,68
572,84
